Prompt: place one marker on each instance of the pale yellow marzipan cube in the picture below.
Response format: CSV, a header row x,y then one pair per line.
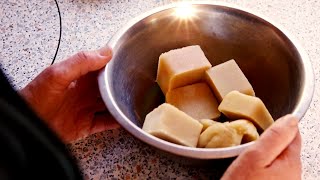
x,y
227,77
169,123
236,105
181,67
197,100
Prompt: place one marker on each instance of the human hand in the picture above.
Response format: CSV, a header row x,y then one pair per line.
x,y
67,97
276,155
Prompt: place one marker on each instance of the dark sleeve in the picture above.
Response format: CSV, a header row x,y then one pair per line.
x,y
28,149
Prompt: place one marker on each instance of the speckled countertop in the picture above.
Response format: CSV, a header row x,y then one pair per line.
x,y
29,33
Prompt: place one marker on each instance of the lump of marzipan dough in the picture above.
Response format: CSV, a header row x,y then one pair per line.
x,y
219,135
181,67
236,105
227,77
169,123
246,129
206,123
197,100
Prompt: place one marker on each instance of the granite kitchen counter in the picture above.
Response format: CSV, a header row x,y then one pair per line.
x,y
30,33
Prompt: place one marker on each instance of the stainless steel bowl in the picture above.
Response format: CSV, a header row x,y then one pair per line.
x,y
275,64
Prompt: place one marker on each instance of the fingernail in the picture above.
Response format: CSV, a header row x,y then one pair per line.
x,y
105,51
291,120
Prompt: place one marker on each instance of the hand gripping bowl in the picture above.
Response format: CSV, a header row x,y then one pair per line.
x,y
275,64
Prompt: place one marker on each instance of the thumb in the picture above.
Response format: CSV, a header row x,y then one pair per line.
x,y
273,141
80,64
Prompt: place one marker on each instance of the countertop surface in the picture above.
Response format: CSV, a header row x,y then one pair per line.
x,y
29,33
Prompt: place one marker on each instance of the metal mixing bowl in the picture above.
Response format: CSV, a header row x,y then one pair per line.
x,y
275,64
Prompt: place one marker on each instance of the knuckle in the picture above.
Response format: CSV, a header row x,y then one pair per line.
x,y
82,58
55,75
253,156
53,71
253,152
82,55
275,132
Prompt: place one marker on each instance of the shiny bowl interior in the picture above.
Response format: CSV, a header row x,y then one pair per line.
x,y
278,69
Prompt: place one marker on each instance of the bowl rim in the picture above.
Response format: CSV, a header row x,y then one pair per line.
x,y
198,153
